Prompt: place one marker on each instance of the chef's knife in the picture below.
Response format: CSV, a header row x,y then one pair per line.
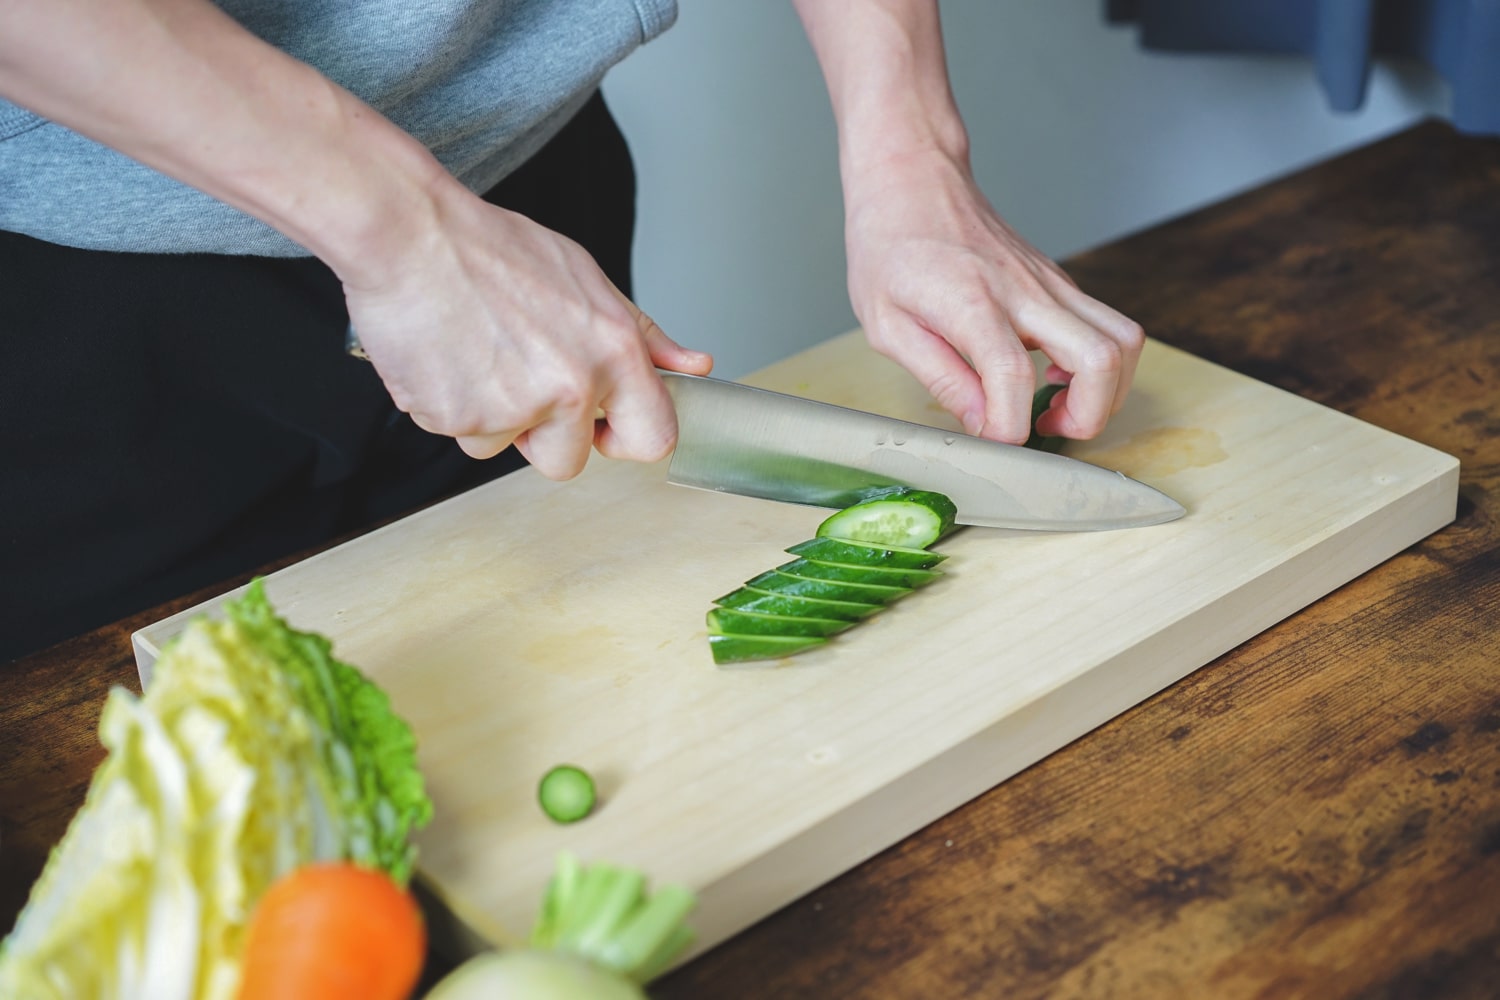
x,y
734,438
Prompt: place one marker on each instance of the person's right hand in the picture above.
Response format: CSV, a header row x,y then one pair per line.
x,y
483,325
494,330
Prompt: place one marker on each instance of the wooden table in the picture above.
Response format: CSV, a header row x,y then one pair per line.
x,y
1316,813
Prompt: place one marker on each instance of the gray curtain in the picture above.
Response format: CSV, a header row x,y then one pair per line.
x,y
1459,38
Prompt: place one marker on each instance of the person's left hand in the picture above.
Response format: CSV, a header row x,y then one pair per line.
x,y
943,286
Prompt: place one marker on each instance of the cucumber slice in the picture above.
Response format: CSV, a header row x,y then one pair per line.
x,y
743,648
827,590
819,570
751,599
840,550
732,621
566,793
863,558
911,519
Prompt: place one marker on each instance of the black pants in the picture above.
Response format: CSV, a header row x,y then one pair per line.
x,y
169,421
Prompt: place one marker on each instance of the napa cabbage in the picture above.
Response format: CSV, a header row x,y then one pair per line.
x,y
252,751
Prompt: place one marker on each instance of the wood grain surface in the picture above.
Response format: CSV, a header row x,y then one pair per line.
x,y
1316,813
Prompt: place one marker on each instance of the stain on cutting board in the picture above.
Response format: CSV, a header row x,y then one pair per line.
x,y
580,653
1160,452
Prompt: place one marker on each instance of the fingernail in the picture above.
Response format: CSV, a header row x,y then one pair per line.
x,y
973,422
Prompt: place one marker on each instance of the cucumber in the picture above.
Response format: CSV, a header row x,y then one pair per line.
x,y
742,648
906,518
827,590
817,569
751,599
567,793
840,550
864,558
732,621
1039,404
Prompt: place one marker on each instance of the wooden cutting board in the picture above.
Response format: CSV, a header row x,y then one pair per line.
x,y
528,623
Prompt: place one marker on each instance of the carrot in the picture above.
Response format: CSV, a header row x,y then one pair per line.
x,y
333,931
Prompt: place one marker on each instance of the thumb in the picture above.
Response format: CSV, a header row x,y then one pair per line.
x,y
666,352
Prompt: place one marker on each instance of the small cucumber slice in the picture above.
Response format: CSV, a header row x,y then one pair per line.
x,y
839,550
819,570
743,648
751,599
827,590
732,621
909,518
566,793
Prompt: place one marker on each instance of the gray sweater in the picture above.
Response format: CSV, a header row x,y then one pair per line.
x,y
481,83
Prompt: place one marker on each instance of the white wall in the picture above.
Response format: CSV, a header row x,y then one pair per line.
x,y
1078,137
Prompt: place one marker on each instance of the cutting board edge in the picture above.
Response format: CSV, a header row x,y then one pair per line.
x,y
821,853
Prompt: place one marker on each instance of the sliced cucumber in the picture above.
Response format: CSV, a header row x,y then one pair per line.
x,y
819,570
864,558
840,550
567,793
743,648
751,599
909,519
732,621
827,590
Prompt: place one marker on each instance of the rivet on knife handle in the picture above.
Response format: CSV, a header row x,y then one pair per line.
x,y
352,346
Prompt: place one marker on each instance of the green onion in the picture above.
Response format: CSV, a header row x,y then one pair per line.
x,y
599,935
603,913
567,793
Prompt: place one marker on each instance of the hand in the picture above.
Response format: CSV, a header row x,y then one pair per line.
x,y
945,288
494,330
483,325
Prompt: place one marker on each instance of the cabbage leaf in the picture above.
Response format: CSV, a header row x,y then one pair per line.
x,y
253,751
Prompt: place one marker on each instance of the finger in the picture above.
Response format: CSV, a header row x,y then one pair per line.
x,y
1009,378
1114,324
558,448
666,352
1094,361
935,363
1005,370
482,446
639,422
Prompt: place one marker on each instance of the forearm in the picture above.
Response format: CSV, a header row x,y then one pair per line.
x,y
182,88
886,72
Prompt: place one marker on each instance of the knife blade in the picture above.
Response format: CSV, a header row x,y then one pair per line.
x,y
734,438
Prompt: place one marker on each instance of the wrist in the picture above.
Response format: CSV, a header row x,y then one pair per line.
x,y
911,161
914,187
371,196
913,120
